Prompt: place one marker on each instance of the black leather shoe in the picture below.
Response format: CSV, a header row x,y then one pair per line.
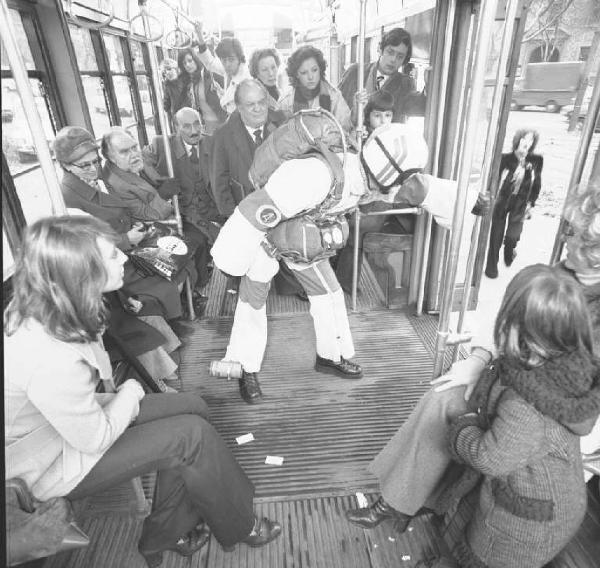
x,y
264,532
370,517
250,388
188,545
342,368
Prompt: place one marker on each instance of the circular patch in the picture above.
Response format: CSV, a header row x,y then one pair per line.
x,y
268,215
172,244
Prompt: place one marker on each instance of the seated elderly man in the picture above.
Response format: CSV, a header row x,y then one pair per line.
x,y
190,157
124,177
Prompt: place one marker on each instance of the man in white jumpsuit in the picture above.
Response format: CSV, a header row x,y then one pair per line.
x,y
296,186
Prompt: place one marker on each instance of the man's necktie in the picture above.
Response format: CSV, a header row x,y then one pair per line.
x,y
380,81
194,155
258,137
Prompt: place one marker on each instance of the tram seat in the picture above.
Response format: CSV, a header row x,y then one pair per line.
x,y
390,257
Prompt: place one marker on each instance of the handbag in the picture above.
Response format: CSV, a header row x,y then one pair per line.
x,y
37,529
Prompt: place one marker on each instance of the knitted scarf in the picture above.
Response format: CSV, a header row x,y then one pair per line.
x,y
567,389
302,97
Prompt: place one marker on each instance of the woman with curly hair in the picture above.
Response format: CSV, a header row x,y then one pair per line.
x,y
310,89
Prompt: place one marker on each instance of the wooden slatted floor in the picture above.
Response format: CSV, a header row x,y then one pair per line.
x,y
326,428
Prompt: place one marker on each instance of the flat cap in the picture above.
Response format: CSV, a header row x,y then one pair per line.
x,y
71,143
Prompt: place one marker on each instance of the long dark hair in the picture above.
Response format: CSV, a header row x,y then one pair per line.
x,y
184,76
59,278
543,315
299,57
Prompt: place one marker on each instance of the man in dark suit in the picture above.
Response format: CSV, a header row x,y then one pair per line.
x,y
233,151
190,157
395,50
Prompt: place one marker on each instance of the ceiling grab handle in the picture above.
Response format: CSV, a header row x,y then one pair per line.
x,y
145,17
485,32
499,89
21,78
359,131
88,24
177,38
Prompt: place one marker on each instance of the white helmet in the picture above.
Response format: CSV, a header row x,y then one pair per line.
x,y
392,150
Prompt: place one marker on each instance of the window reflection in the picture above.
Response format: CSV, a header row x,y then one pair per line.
x,y
137,56
123,93
22,42
17,141
115,53
84,49
94,95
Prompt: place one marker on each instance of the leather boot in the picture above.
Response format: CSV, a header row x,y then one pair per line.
x,y
370,517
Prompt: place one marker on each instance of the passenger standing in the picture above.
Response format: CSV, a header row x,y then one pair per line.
x,y
310,89
230,63
171,87
519,188
234,145
190,158
395,51
264,66
64,439
200,90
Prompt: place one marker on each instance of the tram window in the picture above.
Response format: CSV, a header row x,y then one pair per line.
x,y
137,56
22,41
147,110
84,49
94,94
123,94
114,49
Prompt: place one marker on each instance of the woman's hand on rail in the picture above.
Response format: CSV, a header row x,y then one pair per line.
x,y
463,373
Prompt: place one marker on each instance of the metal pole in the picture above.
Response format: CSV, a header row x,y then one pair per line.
x,y
441,95
359,131
488,14
31,112
505,48
165,136
580,158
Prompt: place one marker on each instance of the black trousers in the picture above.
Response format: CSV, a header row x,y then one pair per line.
x,y
198,477
199,243
508,218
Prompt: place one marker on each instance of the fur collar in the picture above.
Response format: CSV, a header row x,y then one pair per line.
x,y
566,389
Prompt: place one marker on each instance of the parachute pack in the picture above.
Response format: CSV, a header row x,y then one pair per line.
x,y
316,234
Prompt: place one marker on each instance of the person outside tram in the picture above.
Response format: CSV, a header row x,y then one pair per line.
x,y
64,439
519,188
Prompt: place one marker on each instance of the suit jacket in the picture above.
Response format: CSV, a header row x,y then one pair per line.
x,y
407,102
233,152
140,198
57,428
160,297
196,201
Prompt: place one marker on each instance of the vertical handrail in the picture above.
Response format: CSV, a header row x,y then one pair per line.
x,y
578,166
488,13
359,130
505,48
450,16
32,115
165,136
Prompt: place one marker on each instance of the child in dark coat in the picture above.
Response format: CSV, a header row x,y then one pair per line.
x,y
530,408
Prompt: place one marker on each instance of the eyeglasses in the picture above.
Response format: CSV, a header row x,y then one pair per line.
x,y
84,165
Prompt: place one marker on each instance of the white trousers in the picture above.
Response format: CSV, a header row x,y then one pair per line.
x,y
327,307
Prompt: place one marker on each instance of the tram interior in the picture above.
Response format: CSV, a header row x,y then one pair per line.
x,y
326,429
